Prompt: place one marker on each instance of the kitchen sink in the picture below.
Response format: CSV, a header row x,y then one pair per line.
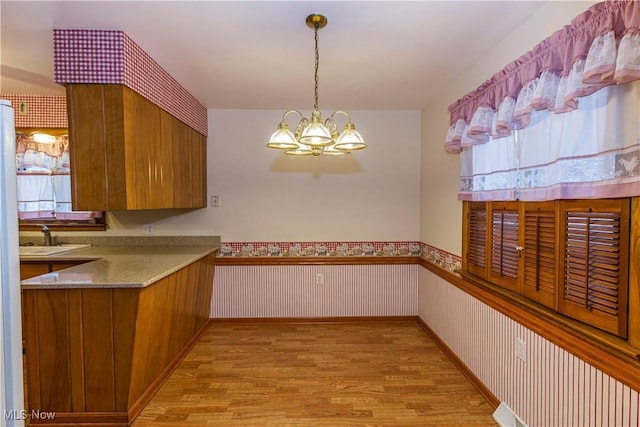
x,y
49,250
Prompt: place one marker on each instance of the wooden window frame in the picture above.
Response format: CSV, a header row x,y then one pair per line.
x,y
60,225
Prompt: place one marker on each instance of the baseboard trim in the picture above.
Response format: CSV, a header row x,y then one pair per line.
x,y
473,379
293,320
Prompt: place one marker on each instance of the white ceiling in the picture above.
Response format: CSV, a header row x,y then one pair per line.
x,y
259,54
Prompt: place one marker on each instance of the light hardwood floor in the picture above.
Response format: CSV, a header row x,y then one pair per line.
x,y
316,374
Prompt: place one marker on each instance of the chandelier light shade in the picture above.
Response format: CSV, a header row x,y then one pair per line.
x,y
314,136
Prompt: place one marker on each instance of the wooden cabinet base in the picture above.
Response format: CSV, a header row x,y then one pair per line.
x,y
153,388
30,269
119,419
97,356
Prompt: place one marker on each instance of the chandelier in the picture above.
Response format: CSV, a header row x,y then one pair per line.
x,y
313,136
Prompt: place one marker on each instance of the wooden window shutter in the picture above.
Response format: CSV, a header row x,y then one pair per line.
x,y
505,225
476,238
595,237
539,273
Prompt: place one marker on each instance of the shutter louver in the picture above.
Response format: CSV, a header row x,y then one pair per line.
x,y
539,269
504,241
477,238
595,283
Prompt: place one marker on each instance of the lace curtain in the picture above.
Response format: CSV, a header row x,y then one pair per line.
x,y
562,120
44,183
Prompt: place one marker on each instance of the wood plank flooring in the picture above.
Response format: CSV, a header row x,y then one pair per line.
x,y
316,374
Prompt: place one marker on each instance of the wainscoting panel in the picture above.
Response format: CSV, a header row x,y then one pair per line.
x,y
550,387
266,291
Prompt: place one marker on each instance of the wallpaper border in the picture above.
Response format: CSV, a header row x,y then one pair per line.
x,y
439,257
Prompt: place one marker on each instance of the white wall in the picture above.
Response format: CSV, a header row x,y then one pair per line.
x,y
548,387
370,195
441,217
290,291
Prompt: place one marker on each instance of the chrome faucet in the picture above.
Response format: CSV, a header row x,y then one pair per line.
x,y
47,235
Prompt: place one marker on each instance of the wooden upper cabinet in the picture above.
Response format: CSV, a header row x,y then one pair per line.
x,y
129,154
189,165
87,130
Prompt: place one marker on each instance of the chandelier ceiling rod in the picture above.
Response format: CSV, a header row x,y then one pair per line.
x,y
316,22
314,136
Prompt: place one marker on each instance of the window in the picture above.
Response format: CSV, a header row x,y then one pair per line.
x,y
570,256
44,185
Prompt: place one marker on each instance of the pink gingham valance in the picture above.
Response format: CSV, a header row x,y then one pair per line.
x,y
112,57
600,47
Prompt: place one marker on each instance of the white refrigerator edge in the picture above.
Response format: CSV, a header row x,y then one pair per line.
x,y
11,377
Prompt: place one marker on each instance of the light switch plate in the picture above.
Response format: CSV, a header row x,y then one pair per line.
x,y
521,349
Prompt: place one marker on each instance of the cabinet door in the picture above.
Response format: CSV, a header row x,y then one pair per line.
x,y
165,177
30,269
85,110
199,170
96,130
182,164
189,166
61,265
33,269
143,148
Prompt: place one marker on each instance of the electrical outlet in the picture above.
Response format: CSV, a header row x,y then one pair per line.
x,y
147,229
521,349
215,201
319,279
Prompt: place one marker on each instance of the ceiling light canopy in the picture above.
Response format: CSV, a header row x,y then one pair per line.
x,y
313,136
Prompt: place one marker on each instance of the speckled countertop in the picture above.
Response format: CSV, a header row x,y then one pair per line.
x,y
112,264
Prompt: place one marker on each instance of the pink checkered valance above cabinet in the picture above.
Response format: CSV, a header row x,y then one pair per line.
x,y
38,111
111,57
